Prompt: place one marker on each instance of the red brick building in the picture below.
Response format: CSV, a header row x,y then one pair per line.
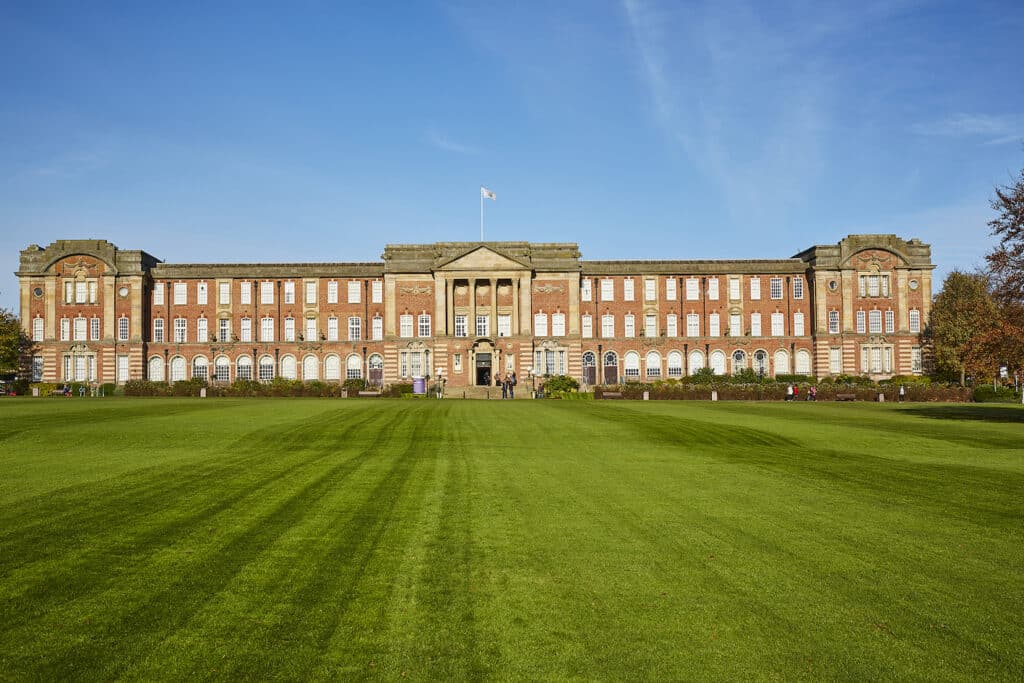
x,y
466,311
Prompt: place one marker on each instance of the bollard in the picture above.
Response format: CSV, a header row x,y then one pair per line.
x,y
647,396
714,395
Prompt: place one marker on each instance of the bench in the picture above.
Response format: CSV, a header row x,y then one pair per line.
x,y
369,393
846,397
611,394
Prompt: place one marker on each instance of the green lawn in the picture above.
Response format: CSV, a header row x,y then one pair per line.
x,y
297,539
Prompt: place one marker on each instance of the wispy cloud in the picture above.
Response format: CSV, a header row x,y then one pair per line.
x,y
68,166
998,130
446,144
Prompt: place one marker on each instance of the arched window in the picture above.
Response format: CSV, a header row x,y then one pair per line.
x,y
589,360
803,362
200,368
761,362
288,367
718,362
610,371
178,369
696,361
652,364
675,364
739,361
243,368
781,362
310,368
353,367
631,361
376,363
332,367
156,369
266,368
222,369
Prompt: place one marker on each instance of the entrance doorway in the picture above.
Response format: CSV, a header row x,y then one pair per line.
x,y
589,368
611,368
483,369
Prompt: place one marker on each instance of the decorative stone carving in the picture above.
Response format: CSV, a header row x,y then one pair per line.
x,y
548,289
504,290
415,289
461,290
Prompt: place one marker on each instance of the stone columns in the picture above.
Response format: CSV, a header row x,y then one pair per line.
x,y
493,327
525,305
471,321
515,306
449,288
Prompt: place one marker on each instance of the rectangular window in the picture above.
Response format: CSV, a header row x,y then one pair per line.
x,y
692,289
224,293
378,327
332,292
713,289
778,324
355,328
755,324
122,329
65,329
69,292
457,361
37,329
180,293
755,288
833,322
875,322
835,361
81,292
405,325
289,292
607,289
714,325
670,289
483,326
37,368
246,332
558,324
650,325
775,285
202,331
158,330
735,325
222,372
245,293
798,324
122,369
158,294
266,329
423,325
377,292
915,320
180,330
540,325
311,292
890,322
311,332
915,359
650,289
460,326
627,289
332,329
862,326
734,288
587,326
630,325
93,291
671,325
94,329
607,326
504,325
586,289
289,329
692,324
201,294
224,330
266,292
798,288
353,291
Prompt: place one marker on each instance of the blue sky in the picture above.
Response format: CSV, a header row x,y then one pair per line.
x,y
319,131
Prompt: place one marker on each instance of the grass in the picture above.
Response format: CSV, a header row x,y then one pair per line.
x,y
297,539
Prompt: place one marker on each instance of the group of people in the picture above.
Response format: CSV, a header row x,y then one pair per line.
x,y
793,392
507,384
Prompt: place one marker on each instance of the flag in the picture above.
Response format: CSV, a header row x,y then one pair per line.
x,y
487,194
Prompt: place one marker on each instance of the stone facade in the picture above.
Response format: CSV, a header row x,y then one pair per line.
x,y
467,311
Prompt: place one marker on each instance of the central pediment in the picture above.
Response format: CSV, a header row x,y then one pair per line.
x,y
482,258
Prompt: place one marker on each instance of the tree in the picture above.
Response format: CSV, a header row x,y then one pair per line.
x,y
1006,261
15,347
963,313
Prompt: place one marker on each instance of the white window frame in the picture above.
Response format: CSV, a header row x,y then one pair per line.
x,y
755,289
650,289
37,329
713,289
332,292
224,293
650,325
289,329
540,325
775,288
245,293
798,288
607,289
735,325
586,289
671,325
460,325
355,328
312,293
202,330
558,324
377,292
202,293
354,289
755,324
289,292
332,328
405,328
180,330
778,324
158,293
714,325
693,324
670,289
423,327
629,325
915,320
628,289
833,322
180,293
245,329
607,326
798,324
266,329
587,326
266,293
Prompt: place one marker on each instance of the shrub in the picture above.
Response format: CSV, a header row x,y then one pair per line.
x,y
397,390
560,384
986,394
108,389
144,387
355,385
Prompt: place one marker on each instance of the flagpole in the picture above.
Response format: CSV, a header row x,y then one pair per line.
x,y
481,214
